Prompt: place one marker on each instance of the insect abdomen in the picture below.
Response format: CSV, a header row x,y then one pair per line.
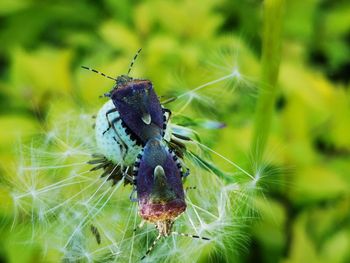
x,y
159,186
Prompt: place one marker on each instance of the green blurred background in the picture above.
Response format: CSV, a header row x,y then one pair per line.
x,y
307,216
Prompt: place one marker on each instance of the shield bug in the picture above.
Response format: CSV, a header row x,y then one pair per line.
x,y
126,122
160,193
138,107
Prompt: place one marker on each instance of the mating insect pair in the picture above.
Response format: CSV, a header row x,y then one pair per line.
x,y
130,131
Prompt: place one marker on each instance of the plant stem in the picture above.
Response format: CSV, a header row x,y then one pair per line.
x,y
270,61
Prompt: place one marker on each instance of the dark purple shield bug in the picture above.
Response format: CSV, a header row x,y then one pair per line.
x,y
160,193
139,110
159,186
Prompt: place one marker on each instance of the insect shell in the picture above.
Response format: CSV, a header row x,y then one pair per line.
x,y
157,174
139,108
140,114
160,192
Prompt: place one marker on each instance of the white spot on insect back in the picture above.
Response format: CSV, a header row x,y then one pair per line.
x,y
109,143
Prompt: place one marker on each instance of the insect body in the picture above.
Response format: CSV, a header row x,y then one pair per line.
x,y
139,108
159,187
138,121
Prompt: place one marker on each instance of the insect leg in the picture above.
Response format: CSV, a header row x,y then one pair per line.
x,y
140,225
123,146
189,235
152,246
132,195
186,173
111,125
109,122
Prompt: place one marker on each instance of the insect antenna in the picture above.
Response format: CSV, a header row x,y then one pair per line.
x,y
152,246
133,61
98,72
189,235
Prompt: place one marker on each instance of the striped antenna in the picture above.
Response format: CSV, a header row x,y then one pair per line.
x,y
133,61
189,235
152,246
98,72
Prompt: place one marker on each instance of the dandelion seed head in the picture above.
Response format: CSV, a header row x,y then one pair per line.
x,y
56,187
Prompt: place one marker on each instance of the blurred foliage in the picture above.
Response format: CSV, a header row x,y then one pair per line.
x,y
306,218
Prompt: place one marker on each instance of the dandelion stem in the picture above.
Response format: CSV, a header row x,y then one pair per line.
x,y
270,62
